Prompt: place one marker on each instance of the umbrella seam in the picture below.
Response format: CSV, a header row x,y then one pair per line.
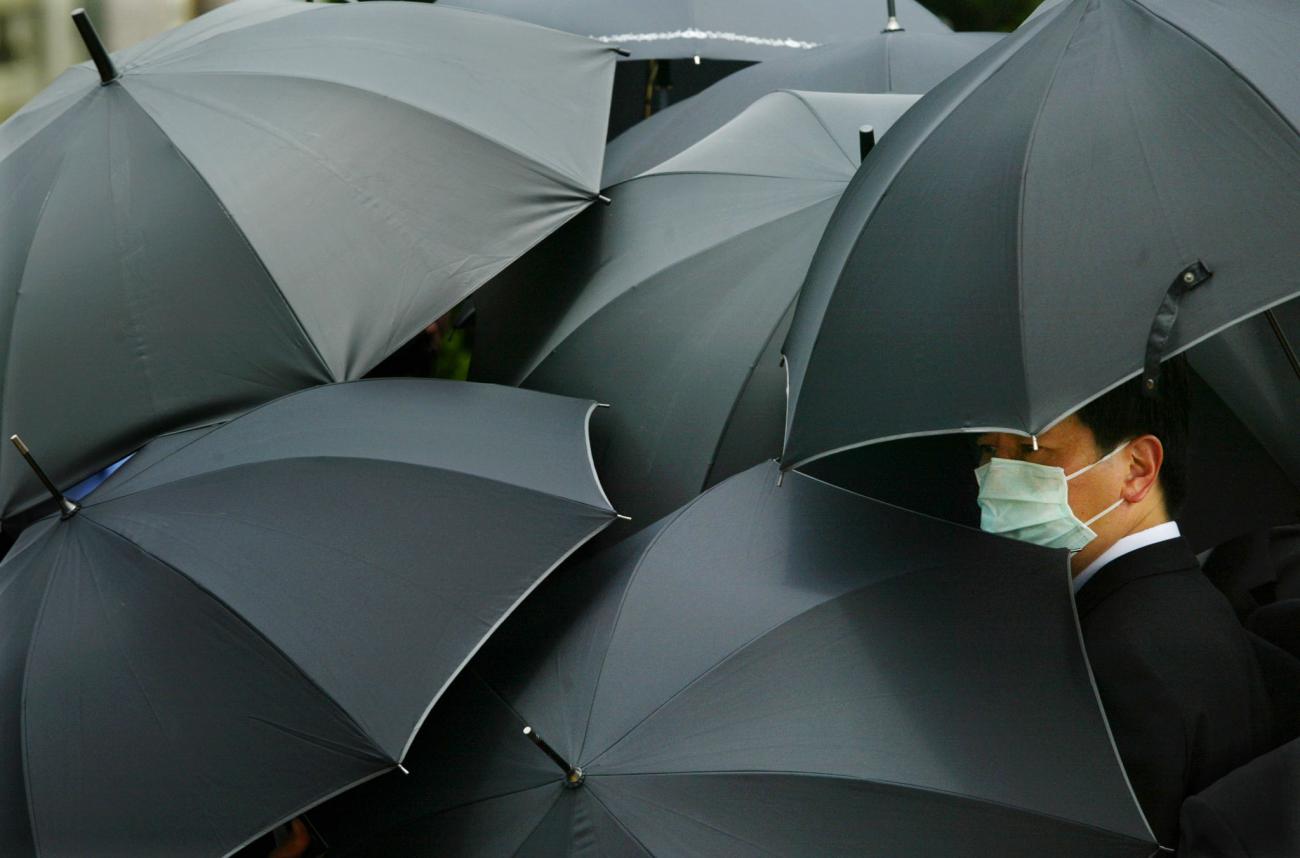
x,y
322,364
747,643
553,344
798,96
22,703
106,503
1020,214
555,799
902,785
1216,55
618,615
257,633
534,163
622,827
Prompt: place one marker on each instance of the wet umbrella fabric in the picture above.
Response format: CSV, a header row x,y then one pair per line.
x,y
275,195
1084,165
903,61
671,303
792,670
731,30
246,619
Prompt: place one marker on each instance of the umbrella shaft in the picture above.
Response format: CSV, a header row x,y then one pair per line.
x,y
1285,343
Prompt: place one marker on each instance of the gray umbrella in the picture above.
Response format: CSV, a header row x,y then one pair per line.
x,y
778,670
671,303
276,195
1118,181
246,619
900,61
728,30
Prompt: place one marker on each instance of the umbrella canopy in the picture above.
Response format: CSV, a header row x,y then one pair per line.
x,y
903,61
730,30
791,670
1118,181
276,195
671,303
246,619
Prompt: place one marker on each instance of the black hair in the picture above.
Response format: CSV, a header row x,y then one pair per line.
x,y
1127,412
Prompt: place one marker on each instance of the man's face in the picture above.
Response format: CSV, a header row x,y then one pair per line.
x,y
1068,445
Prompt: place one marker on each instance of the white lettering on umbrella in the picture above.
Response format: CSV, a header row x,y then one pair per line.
x,y
707,35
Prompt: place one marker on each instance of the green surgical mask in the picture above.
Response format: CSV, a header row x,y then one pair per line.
x,y
1031,502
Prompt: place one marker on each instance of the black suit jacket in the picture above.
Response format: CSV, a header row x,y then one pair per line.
x,y
1177,674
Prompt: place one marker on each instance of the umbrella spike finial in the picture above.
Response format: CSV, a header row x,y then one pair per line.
x,y
107,71
67,507
866,141
573,776
891,23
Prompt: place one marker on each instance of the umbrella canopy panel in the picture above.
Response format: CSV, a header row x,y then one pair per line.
x,y
670,304
277,195
901,61
790,669
246,619
730,30
1082,165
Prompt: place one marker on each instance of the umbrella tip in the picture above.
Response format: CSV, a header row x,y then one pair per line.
x,y
622,517
67,507
107,71
866,141
891,24
604,200
404,770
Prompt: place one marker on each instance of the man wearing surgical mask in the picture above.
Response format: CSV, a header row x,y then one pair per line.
x,y
1176,672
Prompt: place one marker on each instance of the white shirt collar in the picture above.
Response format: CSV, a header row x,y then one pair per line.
x,y
1132,542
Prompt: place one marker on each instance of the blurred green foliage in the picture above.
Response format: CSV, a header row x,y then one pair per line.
x,y
988,15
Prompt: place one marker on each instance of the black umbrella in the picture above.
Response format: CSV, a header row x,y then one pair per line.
x,y
1118,181
246,619
275,195
777,670
671,304
730,30
903,61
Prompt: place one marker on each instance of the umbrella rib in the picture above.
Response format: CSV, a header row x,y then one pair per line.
x,y
524,840
323,365
898,785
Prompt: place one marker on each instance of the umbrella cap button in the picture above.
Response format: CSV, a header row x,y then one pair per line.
x,y
1189,277
574,778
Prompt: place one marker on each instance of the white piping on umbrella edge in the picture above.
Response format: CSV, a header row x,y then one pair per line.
x,y
708,35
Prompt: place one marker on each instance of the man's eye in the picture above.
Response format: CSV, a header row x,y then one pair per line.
x,y
988,450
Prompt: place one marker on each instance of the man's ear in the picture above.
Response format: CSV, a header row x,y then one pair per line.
x,y
1145,456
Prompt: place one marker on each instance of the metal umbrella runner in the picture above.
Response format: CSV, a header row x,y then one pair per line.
x,y
246,619
671,303
730,30
275,195
1119,182
785,670
902,61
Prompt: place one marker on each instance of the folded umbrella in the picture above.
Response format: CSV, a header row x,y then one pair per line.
x,y
1117,181
245,619
276,195
729,30
671,303
903,61
775,669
